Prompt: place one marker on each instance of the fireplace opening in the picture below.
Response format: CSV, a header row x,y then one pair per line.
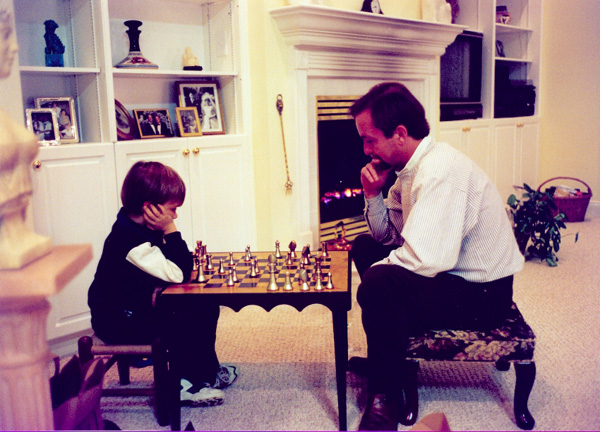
x,y
340,159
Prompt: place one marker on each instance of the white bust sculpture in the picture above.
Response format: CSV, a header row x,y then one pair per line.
x,y
18,148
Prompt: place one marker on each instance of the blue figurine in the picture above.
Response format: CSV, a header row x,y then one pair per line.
x,y
54,47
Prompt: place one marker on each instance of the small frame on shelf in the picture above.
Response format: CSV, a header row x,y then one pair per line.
x,y
43,123
126,126
372,6
153,123
64,107
189,122
500,49
204,95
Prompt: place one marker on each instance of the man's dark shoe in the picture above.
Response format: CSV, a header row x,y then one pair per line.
x,y
358,365
381,413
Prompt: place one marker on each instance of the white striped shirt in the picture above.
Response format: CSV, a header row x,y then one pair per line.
x,y
447,216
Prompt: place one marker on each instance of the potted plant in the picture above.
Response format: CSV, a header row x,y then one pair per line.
x,y
537,224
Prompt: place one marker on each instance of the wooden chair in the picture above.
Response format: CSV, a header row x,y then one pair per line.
x,y
121,355
512,342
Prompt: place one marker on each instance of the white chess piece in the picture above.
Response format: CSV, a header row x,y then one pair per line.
x,y
18,148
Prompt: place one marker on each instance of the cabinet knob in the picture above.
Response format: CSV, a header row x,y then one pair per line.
x,y
36,164
186,152
196,150
520,124
466,128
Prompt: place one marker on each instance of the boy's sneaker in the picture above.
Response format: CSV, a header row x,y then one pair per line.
x,y
226,375
203,395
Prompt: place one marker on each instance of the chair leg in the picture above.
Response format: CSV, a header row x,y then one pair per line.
x,y
84,348
159,357
123,368
502,365
525,373
411,394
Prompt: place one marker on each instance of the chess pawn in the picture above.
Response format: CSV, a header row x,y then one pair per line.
x,y
292,247
201,278
273,283
324,248
234,275
230,281
304,286
231,261
288,282
329,281
209,264
278,250
319,284
221,267
254,270
289,260
248,256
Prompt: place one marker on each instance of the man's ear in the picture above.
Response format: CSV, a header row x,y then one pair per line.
x,y
400,133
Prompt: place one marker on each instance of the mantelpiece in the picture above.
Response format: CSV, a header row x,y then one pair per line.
x,y
341,52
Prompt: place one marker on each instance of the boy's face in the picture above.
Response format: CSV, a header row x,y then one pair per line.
x,y
171,208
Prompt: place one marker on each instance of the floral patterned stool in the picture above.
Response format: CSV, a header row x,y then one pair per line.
x,y
512,342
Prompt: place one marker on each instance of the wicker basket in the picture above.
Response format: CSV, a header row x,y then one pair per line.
x,y
574,207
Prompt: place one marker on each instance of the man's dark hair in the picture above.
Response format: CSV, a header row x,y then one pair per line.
x,y
151,182
392,104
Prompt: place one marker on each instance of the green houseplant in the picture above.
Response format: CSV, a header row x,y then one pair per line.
x,y
537,224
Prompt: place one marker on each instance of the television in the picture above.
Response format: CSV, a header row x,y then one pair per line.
x,y
460,78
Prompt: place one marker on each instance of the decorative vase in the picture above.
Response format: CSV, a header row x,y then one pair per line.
x,y
134,58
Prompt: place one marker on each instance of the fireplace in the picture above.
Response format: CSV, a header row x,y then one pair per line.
x,y
335,53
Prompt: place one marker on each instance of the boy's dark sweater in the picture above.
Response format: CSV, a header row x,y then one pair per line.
x,y
119,287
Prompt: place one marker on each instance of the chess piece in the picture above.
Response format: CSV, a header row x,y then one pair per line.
x,y
201,278
292,248
190,61
135,58
324,248
303,276
319,283
221,267
289,261
209,265
278,250
248,256
287,286
329,281
273,283
19,245
230,281
231,261
254,271
54,46
306,255
234,275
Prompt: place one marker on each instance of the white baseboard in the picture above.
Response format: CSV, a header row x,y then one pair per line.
x,y
593,210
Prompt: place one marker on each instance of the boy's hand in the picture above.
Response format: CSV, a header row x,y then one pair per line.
x,y
158,218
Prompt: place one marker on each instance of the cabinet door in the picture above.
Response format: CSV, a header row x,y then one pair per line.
x,y
528,137
471,138
505,146
74,201
172,152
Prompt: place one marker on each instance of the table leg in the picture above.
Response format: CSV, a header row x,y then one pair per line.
x,y
340,341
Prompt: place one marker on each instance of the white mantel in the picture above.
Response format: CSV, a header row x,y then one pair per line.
x,y
341,52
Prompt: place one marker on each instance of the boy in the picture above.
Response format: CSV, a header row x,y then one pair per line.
x,y
142,255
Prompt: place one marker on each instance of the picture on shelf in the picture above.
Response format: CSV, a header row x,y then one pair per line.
x,y
153,123
64,107
126,126
204,95
188,120
500,49
43,123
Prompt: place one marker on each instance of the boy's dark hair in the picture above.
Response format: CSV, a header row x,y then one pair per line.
x,y
392,104
151,182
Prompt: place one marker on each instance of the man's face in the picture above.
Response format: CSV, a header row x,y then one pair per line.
x,y
382,151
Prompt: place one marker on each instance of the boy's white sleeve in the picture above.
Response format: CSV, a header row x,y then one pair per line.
x,y
151,260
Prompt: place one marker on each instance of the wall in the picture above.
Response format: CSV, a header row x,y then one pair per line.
x,y
270,75
570,132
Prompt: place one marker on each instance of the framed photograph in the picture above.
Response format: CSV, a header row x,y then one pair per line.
x,y
126,126
500,49
153,123
372,6
204,95
43,123
189,122
65,116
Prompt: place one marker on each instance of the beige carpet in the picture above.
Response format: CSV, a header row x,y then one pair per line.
x,y
288,381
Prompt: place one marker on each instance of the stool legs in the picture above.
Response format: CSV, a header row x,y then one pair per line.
x,y
525,373
411,393
161,383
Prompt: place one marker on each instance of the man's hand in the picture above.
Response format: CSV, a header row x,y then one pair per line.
x,y
373,177
157,218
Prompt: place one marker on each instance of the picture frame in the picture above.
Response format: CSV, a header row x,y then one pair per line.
x,y
371,6
126,126
189,121
43,123
66,116
500,49
205,96
153,122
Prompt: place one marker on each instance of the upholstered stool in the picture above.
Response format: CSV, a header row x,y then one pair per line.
x,y
121,355
512,342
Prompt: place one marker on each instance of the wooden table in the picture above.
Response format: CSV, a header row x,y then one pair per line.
x,y
253,291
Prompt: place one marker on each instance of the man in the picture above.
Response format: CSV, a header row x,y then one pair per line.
x,y
441,252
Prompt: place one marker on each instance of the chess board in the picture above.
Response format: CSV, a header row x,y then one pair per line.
x,y
336,264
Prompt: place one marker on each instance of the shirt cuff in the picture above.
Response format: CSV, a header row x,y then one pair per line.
x,y
375,205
